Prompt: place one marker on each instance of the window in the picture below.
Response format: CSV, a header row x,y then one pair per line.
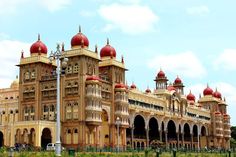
x,y
76,68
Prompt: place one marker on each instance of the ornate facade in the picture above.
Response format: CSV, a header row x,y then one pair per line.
x,y
94,94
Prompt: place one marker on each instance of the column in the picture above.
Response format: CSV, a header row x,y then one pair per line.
x,y
147,136
132,137
166,140
177,140
182,139
191,141
160,135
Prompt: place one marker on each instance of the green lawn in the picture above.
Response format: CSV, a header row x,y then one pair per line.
x,y
136,154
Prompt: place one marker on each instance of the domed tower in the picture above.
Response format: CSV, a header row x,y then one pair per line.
x,y
178,84
161,80
107,51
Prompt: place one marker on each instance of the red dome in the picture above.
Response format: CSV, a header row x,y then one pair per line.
x,y
217,94
207,91
160,74
108,51
92,78
120,85
38,47
79,39
190,97
178,80
170,88
133,86
148,90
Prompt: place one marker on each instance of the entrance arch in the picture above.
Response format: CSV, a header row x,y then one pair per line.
x,y
139,127
203,137
153,130
187,136
32,137
171,128
46,137
1,139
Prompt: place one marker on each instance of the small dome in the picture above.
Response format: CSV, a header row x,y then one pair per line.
x,y
15,83
148,90
190,97
108,51
38,47
171,88
93,78
133,86
217,94
160,74
120,85
207,91
79,40
178,80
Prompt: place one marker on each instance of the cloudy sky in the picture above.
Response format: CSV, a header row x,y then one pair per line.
x,y
195,40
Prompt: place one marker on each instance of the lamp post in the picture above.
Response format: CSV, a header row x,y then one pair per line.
x,y
58,56
198,133
118,122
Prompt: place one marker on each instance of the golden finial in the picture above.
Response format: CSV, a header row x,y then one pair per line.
x,y
96,48
107,41
38,37
62,46
122,59
22,54
79,29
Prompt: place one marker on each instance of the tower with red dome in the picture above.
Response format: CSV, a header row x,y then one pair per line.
x,y
161,80
179,86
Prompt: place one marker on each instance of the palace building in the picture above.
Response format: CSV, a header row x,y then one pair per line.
x,y
94,94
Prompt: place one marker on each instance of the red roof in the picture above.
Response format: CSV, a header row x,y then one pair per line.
x,y
79,40
108,51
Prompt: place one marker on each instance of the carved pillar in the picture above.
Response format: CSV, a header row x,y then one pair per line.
x,y
177,140
166,140
132,137
147,136
160,135
191,141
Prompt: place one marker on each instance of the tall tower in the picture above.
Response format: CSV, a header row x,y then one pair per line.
x,y
112,73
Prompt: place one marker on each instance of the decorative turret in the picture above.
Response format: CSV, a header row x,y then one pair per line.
x,y
108,51
178,84
161,80
79,40
218,125
121,104
93,107
226,122
38,47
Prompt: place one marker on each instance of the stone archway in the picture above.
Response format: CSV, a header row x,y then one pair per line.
x,y
153,130
171,128
18,136
187,135
46,137
139,127
203,138
32,137
1,139
105,136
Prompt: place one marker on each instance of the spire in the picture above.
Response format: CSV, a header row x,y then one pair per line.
x,y
200,96
96,48
79,29
38,37
107,41
22,54
122,59
63,47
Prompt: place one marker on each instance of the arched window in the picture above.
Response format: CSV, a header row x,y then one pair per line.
x,y
76,68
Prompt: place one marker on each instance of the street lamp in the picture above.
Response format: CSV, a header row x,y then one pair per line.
x,y
58,56
118,122
198,133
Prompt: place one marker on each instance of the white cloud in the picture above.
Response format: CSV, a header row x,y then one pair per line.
x,y
86,13
13,6
10,56
55,5
131,19
227,90
185,63
198,10
226,60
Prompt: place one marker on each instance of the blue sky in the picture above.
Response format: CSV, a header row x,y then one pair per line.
x,y
190,38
